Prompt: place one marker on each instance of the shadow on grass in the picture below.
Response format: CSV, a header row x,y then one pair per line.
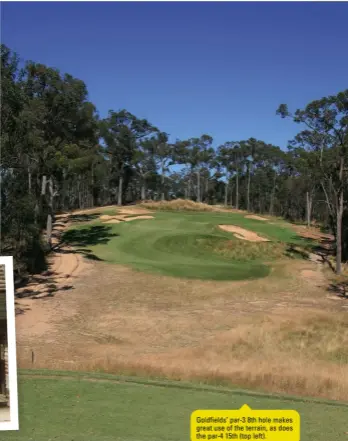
x,y
43,287
324,248
340,289
75,218
293,251
89,236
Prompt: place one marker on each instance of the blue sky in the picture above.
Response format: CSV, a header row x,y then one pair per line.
x,y
191,68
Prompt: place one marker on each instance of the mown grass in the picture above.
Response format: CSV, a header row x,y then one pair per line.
x,y
65,407
190,245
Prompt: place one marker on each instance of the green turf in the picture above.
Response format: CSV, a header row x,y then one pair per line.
x,y
105,408
186,245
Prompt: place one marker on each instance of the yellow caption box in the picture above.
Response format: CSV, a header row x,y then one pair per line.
x,y
245,424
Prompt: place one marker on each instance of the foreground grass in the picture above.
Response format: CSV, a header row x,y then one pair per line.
x,y
188,245
66,407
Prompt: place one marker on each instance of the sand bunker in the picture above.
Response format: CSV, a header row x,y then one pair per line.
x,y
120,218
105,217
254,216
138,217
243,234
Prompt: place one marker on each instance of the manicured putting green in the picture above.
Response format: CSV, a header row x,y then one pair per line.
x,y
105,408
188,245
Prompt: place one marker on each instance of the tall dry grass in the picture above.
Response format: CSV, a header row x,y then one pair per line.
x,y
294,354
183,205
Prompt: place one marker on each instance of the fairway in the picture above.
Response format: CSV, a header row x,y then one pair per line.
x,y
188,245
105,408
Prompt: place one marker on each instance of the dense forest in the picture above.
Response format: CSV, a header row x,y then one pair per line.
x,y
58,154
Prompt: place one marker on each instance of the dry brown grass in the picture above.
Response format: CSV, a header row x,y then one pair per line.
x,y
281,333
185,205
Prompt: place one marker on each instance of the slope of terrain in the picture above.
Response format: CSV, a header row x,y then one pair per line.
x,y
283,333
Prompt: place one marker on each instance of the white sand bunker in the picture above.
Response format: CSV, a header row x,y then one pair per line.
x,y
107,217
120,218
138,217
243,234
254,216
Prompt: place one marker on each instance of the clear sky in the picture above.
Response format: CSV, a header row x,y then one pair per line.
x,y
191,68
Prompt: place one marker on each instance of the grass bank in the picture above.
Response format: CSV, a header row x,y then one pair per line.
x,y
64,407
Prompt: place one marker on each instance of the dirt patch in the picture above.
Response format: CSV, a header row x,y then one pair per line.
x,y
312,275
112,221
312,233
241,233
138,217
254,216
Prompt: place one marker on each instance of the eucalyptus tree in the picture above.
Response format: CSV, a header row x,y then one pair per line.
x,y
225,165
327,127
197,155
122,132
237,160
162,152
60,122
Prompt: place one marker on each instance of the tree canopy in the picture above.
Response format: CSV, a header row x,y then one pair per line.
x,y
58,154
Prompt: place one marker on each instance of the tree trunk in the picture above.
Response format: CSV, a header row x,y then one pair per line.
x,y
237,191
162,181
339,235
92,186
120,189
29,180
198,186
339,219
43,185
248,189
50,214
226,193
271,205
143,192
309,199
206,189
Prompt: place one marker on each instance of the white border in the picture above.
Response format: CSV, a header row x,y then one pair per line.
x,y
11,342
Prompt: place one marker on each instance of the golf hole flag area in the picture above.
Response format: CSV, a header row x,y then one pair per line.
x,y
245,424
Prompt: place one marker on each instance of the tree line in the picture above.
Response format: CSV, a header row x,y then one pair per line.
x,y
58,154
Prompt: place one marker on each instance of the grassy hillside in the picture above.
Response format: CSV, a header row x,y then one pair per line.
x,y
189,245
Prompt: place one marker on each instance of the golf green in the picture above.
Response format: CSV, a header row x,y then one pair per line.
x,y
189,245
